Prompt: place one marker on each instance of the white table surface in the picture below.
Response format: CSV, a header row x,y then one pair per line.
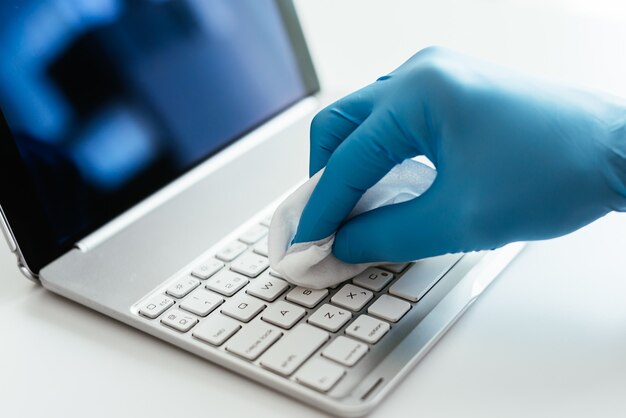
x,y
547,339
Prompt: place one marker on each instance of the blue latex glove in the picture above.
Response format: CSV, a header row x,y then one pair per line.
x,y
516,158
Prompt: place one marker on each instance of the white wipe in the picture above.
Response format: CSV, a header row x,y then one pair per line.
x,y
312,264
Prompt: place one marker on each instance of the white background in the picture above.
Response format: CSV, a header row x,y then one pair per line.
x,y
548,338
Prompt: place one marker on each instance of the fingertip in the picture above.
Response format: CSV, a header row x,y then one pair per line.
x,y
297,238
314,169
355,241
344,250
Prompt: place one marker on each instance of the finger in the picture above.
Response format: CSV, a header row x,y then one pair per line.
x,y
333,124
358,163
426,226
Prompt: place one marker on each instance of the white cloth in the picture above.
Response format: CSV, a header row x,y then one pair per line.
x,y
312,264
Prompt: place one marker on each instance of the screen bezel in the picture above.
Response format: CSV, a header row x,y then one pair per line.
x,y
18,197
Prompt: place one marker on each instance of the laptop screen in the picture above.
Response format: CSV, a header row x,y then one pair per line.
x,y
108,100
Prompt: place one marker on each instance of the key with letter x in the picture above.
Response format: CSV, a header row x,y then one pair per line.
x,y
352,297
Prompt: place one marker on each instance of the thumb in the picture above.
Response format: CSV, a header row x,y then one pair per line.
x,y
429,225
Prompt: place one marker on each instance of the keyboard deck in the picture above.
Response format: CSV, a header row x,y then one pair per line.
x,y
233,301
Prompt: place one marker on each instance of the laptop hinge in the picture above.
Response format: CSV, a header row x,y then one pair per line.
x,y
249,141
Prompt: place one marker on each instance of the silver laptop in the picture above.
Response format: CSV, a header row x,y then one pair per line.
x,y
143,146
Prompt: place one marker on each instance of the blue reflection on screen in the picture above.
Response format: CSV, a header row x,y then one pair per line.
x,y
110,99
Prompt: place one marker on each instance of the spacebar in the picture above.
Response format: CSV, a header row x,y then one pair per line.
x,y
422,276
289,353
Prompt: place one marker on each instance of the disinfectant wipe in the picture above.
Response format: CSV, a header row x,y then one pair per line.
x,y
312,264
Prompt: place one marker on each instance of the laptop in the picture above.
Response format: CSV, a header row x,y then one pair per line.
x,y
143,147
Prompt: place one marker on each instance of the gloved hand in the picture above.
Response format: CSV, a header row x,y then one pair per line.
x,y
516,158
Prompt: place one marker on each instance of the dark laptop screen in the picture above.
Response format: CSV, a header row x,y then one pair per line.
x,y
108,100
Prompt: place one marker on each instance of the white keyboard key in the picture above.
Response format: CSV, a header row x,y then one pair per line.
x,y
181,287
155,306
250,264
253,340
231,251
330,317
345,350
367,329
422,276
267,287
216,329
307,297
352,297
207,268
226,282
288,354
266,221
320,374
261,247
243,308
179,320
283,314
201,302
389,308
253,234
396,268
373,279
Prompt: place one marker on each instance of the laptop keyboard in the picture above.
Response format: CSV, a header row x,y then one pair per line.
x,y
233,301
